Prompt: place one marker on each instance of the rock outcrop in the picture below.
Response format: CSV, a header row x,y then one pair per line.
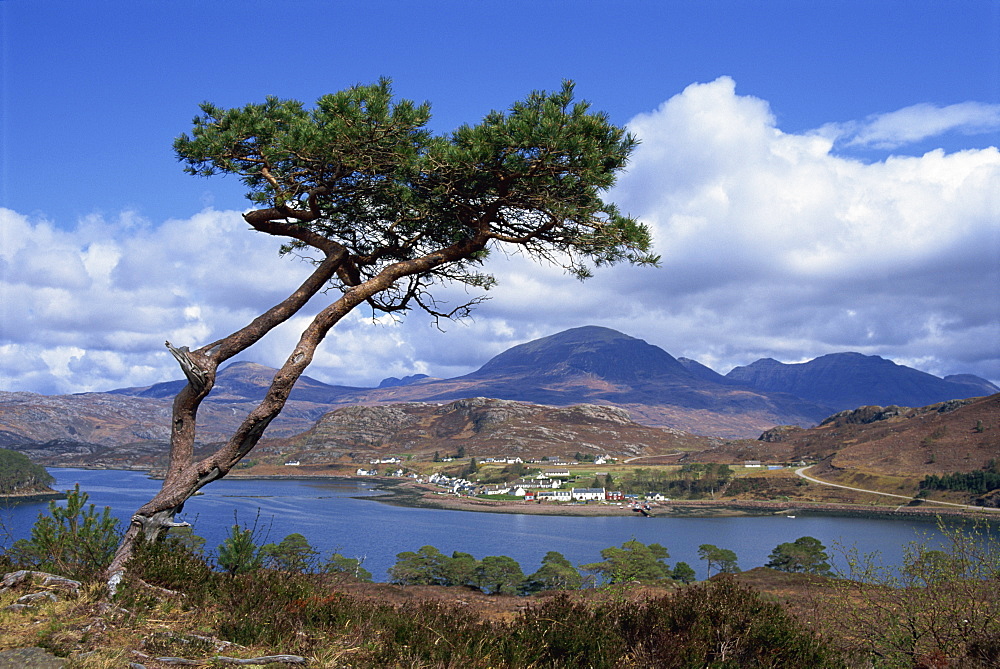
x,y
482,426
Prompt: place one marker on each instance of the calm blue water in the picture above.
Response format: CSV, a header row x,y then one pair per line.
x,y
343,516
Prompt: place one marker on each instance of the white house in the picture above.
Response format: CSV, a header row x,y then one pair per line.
x,y
555,495
587,494
538,482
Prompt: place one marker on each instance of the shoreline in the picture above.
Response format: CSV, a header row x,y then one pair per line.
x,y
408,493
405,492
21,498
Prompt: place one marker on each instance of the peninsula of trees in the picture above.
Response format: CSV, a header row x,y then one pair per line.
x,y
20,476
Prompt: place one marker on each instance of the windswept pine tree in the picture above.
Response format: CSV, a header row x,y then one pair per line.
x,y
388,213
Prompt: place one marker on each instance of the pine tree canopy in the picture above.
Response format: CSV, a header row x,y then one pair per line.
x,y
361,171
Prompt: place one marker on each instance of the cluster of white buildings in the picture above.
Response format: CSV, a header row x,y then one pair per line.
x,y
503,461
555,494
547,486
374,472
453,484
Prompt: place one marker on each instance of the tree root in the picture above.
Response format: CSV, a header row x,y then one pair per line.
x,y
158,592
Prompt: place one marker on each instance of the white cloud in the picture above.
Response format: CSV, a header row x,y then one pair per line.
x,y
106,294
916,123
772,245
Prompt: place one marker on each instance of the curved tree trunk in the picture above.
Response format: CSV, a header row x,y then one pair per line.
x,y
184,476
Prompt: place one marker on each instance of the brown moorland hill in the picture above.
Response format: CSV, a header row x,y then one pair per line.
x,y
485,427
955,436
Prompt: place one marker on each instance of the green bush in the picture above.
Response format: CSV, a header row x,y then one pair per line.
x,y
73,540
943,601
340,564
239,552
263,608
293,553
633,562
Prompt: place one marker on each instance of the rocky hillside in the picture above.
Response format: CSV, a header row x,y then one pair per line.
x,y
116,430
953,436
482,427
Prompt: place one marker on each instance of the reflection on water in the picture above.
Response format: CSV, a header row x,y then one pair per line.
x,y
340,516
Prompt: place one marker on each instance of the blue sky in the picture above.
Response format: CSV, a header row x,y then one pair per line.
x,y
821,176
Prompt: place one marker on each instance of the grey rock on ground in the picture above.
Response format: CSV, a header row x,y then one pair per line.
x,y
30,658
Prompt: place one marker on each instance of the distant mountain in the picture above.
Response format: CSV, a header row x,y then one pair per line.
x,y
850,380
974,384
590,350
393,382
248,381
596,365
586,365
702,372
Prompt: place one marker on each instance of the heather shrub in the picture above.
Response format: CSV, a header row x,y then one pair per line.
x,y
174,562
722,625
942,602
564,633
259,608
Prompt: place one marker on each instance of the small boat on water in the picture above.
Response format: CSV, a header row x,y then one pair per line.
x,y
644,510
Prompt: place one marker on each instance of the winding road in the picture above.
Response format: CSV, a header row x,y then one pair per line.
x,y
801,471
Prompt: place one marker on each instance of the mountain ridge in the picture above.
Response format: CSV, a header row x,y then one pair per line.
x,y
586,365
848,380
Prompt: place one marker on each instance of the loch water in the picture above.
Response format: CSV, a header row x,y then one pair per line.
x,y
345,516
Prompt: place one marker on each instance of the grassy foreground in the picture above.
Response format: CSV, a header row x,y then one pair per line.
x,y
175,608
